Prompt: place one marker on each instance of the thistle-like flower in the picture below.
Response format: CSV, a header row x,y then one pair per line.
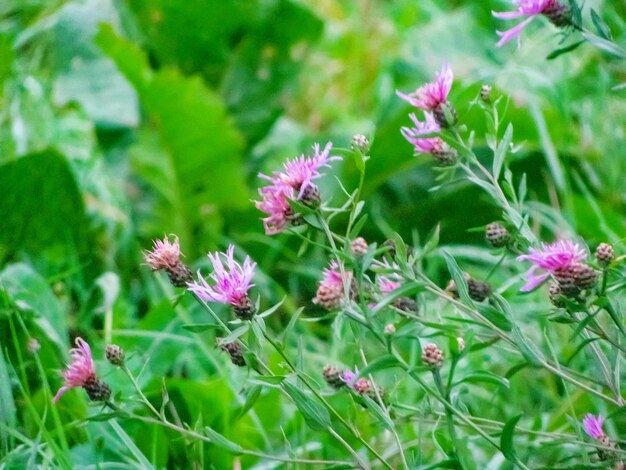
x,y
331,287
294,183
232,282
550,258
390,282
593,426
414,134
558,14
81,373
166,256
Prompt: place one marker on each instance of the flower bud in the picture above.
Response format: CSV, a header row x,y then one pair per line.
x,y
115,355
554,292
311,197
360,143
245,309
406,304
358,246
477,290
604,254
497,235
445,115
460,343
560,15
574,278
234,351
390,329
446,155
485,93
333,376
432,356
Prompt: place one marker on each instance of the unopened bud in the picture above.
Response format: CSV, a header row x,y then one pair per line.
x,y
445,115
359,246
446,155
485,93
477,290
390,329
575,278
497,235
115,355
360,143
333,376
460,343
555,293
604,254
432,356
234,351
560,15
311,197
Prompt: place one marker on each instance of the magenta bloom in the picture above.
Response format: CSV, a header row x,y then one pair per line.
x,y
550,258
348,376
275,202
80,371
423,144
431,96
526,8
330,290
164,255
232,281
593,426
390,282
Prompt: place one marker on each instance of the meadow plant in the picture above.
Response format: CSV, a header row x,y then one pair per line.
x,y
414,346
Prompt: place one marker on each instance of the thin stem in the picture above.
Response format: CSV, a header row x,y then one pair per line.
x,y
143,397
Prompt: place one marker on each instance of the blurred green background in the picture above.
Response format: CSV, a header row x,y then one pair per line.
x,y
121,122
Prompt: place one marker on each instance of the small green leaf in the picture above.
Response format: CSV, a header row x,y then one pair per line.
x,y
222,442
506,439
314,413
603,29
380,363
563,50
501,151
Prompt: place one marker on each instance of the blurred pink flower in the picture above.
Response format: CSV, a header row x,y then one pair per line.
x,y
593,426
528,8
275,202
390,282
549,258
79,371
300,172
348,376
431,96
232,281
330,290
164,255
423,144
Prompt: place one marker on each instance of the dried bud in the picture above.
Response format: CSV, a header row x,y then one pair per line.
x,y
485,93
359,246
97,389
245,310
390,329
115,355
333,376
604,254
497,235
391,253
234,351
360,143
460,343
363,386
406,304
432,356
477,290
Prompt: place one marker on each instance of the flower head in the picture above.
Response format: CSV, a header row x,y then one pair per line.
x,y
348,376
330,289
390,282
593,426
529,9
80,371
550,258
431,96
164,255
275,202
232,280
423,144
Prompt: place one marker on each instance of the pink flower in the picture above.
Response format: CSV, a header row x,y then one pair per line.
x,y
593,426
330,290
232,281
164,255
431,96
348,376
390,282
423,144
80,371
529,8
550,258
275,202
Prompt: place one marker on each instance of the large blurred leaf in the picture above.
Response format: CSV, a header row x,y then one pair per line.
x,y
200,168
43,211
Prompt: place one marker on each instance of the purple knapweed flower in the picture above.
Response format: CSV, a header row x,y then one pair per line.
x,y
232,282
550,258
348,376
331,287
530,9
431,96
80,371
166,255
389,283
295,183
414,134
593,426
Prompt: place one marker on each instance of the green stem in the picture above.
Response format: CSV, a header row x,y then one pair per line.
x,y
449,418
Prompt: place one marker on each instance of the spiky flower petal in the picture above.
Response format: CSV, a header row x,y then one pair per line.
x,y
550,258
